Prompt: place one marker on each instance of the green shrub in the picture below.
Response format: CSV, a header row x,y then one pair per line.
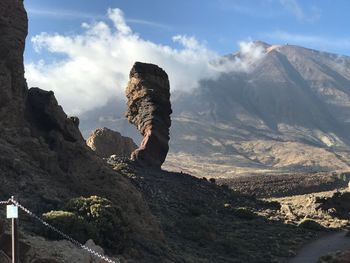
x,y
68,223
198,229
92,217
344,177
308,223
121,167
244,213
195,211
229,245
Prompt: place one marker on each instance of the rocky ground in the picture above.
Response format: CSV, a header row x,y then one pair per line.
x,y
336,257
288,158
312,207
206,222
276,185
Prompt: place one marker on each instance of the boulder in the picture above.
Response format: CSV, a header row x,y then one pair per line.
x,y
105,142
149,109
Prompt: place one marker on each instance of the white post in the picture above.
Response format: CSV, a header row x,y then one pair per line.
x,y
12,212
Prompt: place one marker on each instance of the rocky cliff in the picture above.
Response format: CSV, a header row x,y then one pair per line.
x,y
149,109
13,28
44,160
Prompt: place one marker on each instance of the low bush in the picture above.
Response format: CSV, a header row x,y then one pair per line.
x,y
68,223
92,217
244,213
308,223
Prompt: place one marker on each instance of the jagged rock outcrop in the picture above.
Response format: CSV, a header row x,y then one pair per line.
x,y
44,111
44,159
149,109
105,142
338,204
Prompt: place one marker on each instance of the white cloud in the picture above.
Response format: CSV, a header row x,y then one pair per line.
x,y
294,7
116,15
97,62
250,52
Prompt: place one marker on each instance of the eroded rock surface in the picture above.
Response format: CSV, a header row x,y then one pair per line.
x,y
337,205
13,87
44,111
149,109
105,142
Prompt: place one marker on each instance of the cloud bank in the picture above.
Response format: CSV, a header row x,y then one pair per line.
x,y
96,63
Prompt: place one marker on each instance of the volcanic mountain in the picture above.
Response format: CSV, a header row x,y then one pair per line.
x,y
287,111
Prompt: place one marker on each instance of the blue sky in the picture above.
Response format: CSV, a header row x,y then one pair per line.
x,y
86,48
221,24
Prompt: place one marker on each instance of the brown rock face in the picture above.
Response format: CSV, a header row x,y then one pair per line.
x,y
149,109
105,142
339,204
44,111
13,87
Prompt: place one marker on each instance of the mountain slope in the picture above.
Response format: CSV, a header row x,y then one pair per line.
x,y
290,110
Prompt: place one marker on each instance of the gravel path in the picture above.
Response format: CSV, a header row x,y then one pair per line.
x,y
311,252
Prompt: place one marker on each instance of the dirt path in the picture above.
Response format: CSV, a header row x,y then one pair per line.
x,y
311,252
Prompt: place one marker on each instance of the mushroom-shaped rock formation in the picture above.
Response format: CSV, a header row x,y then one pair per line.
x,y
149,109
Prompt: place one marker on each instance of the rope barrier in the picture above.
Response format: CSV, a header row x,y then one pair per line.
x,y
72,240
5,202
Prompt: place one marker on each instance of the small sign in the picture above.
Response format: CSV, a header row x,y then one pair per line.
x,y
12,211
